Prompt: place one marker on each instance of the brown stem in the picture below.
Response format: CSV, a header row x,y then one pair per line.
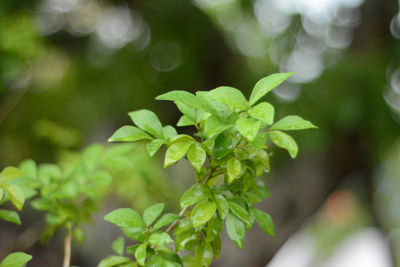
x,y
169,229
67,250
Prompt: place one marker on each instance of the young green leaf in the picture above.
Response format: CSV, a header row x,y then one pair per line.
x,y
233,168
129,133
185,121
175,152
166,219
213,126
265,221
16,259
259,142
140,253
213,107
169,132
184,97
194,194
292,123
118,245
148,121
231,97
10,216
284,141
8,174
240,212
112,261
202,212
16,195
160,239
263,112
203,254
214,228
248,127
152,212
222,205
197,156
235,230
266,84
154,146
125,217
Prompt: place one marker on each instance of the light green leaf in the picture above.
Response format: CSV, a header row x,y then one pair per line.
x,y
9,173
16,195
102,178
248,127
235,229
264,158
203,254
154,146
292,123
230,96
266,84
194,194
185,121
129,133
197,156
78,235
202,212
29,168
213,126
16,259
181,138
166,219
140,253
263,112
148,121
214,228
240,212
213,107
259,142
152,212
160,239
265,221
10,216
125,217
175,152
118,245
222,205
114,261
169,132
217,245
1,193
284,141
184,97
233,168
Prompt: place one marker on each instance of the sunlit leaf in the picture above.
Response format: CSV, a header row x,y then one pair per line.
x,y
194,194
222,205
165,219
16,195
129,133
292,123
263,112
140,253
197,156
125,217
233,168
230,96
248,127
180,96
266,84
16,259
10,216
148,121
284,141
175,152
152,212
202,212
160,239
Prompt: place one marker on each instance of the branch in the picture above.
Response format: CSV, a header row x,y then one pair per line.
x,y
67,250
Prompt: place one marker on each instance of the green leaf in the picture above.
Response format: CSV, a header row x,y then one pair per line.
x,y
231,97
1,193
240,212
214,228
160,239
224,144
114,261
248,127
184,97
8,174
197,156
213,126
166,219
185,121
16,259
204,254
233,167
140,253
119,246
129,133
16,195
259,142
235,229
202,212
29,168
263,112
78,235
10,216
152,212
213,107
175,152
194,194
266,84
292,123
217,245
185,240
125,217
169,132
148,121
264,158
154,146
284,141
265,221
222,205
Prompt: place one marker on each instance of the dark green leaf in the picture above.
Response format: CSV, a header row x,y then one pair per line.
x,y
266,84
160,239
265,221
166,219
231,97
125,217
263,112
129,133
248,127
217,245
10,216
224,144
292,123
284,141
202,212
16,259
240,212
197,156
214,228
118,245
175,152
235,229
194,194
148,121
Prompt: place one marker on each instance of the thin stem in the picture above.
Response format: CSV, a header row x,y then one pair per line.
x,y
67,250
169,229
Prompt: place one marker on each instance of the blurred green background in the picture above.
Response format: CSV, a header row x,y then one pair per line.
x,y
70,70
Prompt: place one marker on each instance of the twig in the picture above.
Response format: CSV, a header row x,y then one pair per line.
x,y
67,250
169,229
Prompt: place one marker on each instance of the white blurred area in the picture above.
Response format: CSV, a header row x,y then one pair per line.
x,y
365,248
